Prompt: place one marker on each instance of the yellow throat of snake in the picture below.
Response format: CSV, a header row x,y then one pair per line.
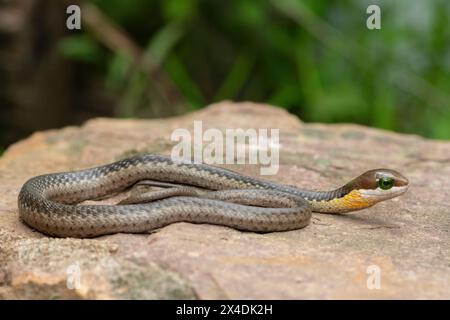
x,y
364,191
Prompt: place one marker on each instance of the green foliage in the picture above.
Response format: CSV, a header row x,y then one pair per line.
x,y
81,48
315,58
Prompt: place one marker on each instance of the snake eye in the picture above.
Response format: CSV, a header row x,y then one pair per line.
x,y
385,183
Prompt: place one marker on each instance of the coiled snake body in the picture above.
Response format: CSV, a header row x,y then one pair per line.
x,y
196,193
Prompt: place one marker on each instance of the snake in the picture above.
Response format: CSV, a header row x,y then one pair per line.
x,y
186,192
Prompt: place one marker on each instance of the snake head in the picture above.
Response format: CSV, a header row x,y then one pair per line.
x,y
378,185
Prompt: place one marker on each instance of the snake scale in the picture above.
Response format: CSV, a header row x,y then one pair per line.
x,y
196,193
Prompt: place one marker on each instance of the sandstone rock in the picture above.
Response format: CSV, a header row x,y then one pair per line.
x,y
407,238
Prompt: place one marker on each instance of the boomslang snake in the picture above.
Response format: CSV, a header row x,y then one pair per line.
x,y
196,193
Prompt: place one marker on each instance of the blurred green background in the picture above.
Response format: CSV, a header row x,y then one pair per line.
x,y
317,59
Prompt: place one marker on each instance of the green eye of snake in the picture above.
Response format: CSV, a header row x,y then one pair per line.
x,y
386,183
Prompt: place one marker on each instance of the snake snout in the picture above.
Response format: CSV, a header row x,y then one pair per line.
x,y
399,179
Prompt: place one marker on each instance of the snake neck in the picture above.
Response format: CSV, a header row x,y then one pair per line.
x,y
340,200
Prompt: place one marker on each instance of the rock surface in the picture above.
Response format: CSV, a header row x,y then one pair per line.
x,y
407,239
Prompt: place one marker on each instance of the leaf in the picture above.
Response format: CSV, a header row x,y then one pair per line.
x,y
81,48
185,83
236,78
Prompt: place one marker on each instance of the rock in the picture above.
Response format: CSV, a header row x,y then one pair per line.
x,y
406,239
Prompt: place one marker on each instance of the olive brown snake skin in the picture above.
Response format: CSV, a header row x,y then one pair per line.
x,y
196,193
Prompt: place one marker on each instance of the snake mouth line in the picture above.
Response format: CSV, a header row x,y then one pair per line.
x,y
382,195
